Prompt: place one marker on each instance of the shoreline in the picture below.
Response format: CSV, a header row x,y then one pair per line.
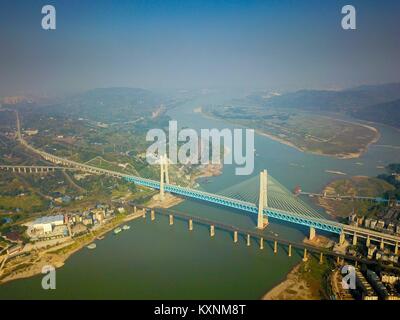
x,y
57,260
344,156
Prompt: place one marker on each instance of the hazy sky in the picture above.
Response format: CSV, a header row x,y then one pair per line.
x,y
174,44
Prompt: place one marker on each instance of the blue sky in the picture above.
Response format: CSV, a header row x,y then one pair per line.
x,y
271,44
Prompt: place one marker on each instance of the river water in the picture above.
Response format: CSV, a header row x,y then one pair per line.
x,y
153,260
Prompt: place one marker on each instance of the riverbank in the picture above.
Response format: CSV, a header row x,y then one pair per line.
x,y
292,288
306,280
57,255
348,155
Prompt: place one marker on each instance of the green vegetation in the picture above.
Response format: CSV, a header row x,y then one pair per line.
x,y
306,131
316,276
385,186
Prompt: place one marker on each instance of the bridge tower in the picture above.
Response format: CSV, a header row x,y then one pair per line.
x,y
166,163
161,178
262,221
164,175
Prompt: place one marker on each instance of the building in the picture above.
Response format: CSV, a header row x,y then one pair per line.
x,y
389,278
366,291
380,224
47,224
379,287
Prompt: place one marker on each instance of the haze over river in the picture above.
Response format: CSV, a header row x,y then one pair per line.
x,y
158,261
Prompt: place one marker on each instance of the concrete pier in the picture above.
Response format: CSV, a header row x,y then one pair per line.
x,y
312,233
396,248
171,219
248,240
144,214
212,230
235,236
290,250
355,239
275,246
321,256
152,215
261,243
342,238
382,246
305,258
190,224
134,209
368,241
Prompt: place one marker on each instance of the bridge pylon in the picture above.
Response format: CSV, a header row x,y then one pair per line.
x,y
164,175
262,220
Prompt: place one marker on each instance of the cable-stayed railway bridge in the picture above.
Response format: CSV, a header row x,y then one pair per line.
x,y
271,201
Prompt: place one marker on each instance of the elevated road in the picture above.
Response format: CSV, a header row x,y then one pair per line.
x,y
300,217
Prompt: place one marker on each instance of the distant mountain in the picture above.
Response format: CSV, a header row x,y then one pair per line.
x,y
337,101
388,113
377,103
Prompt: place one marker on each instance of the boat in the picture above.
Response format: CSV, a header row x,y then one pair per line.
x,y
100,238
91,246
117,230
335,172
126,227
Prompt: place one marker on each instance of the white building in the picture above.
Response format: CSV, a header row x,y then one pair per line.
x,y
48,223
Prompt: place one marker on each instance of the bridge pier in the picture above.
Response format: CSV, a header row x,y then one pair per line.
x,y
152,215
275,247
261,243
144,213
290,250
312,233
212,230
321,258
355,239
305,258
248,240
342,238
396,248
171,219
190,224
382,246
235,236
134,209
368,241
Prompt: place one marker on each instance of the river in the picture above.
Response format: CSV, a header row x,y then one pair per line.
x,y
153,260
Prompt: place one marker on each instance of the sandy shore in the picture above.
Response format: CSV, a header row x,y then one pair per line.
x,y
295,287
292,288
